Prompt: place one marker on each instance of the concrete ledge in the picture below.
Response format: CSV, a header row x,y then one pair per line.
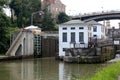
x,y
83,59
59,58
10,58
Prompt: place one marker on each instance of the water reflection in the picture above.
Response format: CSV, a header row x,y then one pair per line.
x,y
44,69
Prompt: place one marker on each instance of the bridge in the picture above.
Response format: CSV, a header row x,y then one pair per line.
x,y
99,16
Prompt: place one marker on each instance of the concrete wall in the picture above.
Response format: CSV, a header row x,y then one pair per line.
x,y
29,44
22,45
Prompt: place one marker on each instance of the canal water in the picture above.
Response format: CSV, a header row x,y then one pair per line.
x,y
45,69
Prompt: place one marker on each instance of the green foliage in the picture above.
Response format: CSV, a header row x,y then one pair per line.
x,y
10,31
4,24
23,10
35,5
48,23
76,77
3,2
110,72
63,17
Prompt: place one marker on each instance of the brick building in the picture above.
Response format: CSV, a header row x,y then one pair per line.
x,y
54,6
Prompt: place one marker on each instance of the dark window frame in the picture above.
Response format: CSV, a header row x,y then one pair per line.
x,y
64,28
81,27
94,28
73,37
72,28
64,37
95,35
81,36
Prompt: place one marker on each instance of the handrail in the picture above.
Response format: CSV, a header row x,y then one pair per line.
x,y
97,13
14,43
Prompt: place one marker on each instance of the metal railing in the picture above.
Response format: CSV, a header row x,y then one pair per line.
x,y
98,13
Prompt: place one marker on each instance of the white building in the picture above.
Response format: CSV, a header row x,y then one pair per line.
x,y
78,32
97,29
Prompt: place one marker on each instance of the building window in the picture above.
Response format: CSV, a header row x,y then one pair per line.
x,y
72,28
64,37
81,36
94,28
64,28
63,49
72,36
95,36
81,28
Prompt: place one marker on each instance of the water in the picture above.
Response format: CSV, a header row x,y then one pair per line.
x,y
45,69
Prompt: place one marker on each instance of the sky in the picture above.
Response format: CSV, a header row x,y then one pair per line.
x,y
76,7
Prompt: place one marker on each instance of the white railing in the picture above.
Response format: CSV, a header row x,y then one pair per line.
x,y
78,45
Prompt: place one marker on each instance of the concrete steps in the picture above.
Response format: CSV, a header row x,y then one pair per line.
x,y
16,43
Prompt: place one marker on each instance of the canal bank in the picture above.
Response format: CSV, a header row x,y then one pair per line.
x,y
13,58
110,72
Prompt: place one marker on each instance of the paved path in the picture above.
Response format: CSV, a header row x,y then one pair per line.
x,y
3,56
118,77
117,58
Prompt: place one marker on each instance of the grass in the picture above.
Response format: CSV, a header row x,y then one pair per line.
x,y
110,72
2,54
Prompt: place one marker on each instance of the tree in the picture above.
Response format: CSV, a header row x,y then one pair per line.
x,y
4,24
63,17
23,10
48,23
2,3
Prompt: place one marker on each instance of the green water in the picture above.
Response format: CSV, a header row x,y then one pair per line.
x,y
45,69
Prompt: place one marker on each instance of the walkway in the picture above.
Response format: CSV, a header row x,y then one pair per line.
x,y
117,58
119,78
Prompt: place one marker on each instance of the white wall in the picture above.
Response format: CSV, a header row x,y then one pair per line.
x,y
99,32
76,30
67,44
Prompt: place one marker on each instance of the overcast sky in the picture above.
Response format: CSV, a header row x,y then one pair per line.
x,y
85,6
74,7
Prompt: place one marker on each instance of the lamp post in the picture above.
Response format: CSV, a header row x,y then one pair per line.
x,y
40,13
113,28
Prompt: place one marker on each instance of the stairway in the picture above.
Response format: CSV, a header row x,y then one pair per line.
x,y
15,45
